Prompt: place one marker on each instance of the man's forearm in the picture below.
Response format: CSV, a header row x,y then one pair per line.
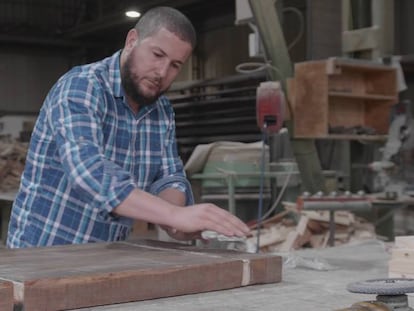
x,y
145,206
173,196
178,198
195,218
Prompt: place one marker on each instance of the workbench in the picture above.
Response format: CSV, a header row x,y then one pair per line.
x,y
302,287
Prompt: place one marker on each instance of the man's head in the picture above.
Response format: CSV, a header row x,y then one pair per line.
x,y
154,53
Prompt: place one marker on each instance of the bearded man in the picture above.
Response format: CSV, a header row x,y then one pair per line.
x,y
103,150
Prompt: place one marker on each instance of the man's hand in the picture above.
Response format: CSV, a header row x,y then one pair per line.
x,y
190,220
206,216
201,217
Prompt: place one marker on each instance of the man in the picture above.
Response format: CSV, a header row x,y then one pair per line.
x,y
103,150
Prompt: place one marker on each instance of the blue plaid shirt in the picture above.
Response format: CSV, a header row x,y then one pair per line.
x,y
88,151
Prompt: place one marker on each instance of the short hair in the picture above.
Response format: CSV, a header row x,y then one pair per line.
x,y
166,17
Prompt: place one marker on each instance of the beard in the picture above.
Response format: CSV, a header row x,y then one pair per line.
x,y
132,88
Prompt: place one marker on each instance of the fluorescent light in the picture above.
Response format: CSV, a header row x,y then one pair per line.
x,y
132,14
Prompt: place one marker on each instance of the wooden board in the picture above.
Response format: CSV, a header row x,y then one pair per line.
x,y
76,276
405,241
6,296
402,257
311,107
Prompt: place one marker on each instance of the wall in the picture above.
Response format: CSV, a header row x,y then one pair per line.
x,y
404,43
221,50
12,125
26,76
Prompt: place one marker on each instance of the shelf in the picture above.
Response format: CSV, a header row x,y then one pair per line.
x,y
343,93
373,138
358,65
361,96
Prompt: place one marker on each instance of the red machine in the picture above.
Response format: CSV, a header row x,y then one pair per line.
x,y
270,106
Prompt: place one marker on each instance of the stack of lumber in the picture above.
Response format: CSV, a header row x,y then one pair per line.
x,y
12,160
288,231
401,264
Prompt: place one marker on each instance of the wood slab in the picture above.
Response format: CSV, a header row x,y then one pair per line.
x,y
6,296
78,276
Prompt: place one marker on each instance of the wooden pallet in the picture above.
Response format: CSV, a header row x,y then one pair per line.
x,y
77,276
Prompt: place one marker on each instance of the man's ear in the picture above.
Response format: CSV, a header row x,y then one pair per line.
x,y
131,39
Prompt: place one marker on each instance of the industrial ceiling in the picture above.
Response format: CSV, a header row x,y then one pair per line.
x,y
90,23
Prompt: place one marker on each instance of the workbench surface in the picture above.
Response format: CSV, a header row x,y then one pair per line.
x,y
303,287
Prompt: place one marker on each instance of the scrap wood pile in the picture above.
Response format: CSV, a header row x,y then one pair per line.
x,y
12,160
294,229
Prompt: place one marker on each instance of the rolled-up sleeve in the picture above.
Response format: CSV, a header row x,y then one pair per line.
x,y
172,174
77,122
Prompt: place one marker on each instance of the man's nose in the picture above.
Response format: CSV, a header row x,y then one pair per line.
x,y
163,68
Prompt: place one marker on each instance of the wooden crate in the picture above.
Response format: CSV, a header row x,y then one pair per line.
x,y
342,93
79,276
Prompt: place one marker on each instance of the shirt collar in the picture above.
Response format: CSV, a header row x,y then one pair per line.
x,y
115,81
115,74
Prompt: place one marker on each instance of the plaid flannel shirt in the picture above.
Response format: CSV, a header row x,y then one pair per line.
x,y
88,151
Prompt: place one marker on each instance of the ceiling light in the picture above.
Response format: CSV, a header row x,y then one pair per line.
x,y
132,14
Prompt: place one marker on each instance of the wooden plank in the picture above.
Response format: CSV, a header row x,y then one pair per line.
x,y
400,275
401,266
78,276
377,115
6,296
405,241
402,257
360,39
311,102
403,253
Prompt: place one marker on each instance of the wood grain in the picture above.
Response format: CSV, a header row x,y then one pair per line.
x,y
311,103
77,276
6,296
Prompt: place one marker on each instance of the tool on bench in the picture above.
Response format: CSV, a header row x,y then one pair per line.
x,y
212,235
391,294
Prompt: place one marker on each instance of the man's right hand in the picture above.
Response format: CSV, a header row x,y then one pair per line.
x,y
189,220
207,216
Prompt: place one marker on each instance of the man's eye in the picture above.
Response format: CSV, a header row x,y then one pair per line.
x,y
176,66
157,54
